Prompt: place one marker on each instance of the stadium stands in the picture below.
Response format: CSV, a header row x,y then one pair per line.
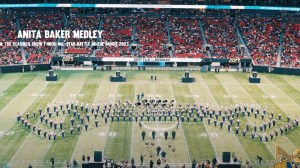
x,y
151,34
154,35
81,23
40,21
186,36
221,34
116,29
291,46
9,55
262,37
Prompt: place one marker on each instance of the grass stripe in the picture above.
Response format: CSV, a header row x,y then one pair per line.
x,y
10,144
219,93
200,147
118,147
182,94
126,91
285,87
62,150
15,89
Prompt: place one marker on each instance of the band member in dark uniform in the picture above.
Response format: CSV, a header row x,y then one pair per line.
x,y
143,135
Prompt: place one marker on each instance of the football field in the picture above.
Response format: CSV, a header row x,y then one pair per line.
x,y
22,92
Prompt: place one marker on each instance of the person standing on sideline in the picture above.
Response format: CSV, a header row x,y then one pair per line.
x,y
142,159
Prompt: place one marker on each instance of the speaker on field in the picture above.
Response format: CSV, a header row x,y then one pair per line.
x,y
254,74
98,156
118,73
187,74
51,72
226,157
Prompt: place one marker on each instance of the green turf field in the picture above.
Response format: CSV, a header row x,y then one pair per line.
x,y
29,91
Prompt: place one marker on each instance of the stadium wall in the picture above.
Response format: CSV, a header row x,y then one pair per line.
x,y
25,68
277,70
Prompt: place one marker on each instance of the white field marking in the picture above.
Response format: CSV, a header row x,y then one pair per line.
x,y
283,134
252,125
186,147
27,137
112,134
10,133
155,120
231,129
108,123
34,94
158,129
203,134
73,155
1,94
263,141
132,127
64,118
270,96
102,133
291,100
214,134
211,142
231,96
72,95
1,133
15,98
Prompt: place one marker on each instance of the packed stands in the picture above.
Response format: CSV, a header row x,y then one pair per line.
x,y
291,46
40,21
220,33
9,54
186,36
116,29
262,37
151,34
76,22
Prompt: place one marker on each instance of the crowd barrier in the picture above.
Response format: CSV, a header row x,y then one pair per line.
x,y
277,70
24,68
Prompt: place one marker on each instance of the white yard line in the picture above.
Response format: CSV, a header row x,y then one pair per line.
x,y
290,99
132,123
24,142
210,139
108,123
252,124
231,131
17,96
186,147
48,148
82,132
156,120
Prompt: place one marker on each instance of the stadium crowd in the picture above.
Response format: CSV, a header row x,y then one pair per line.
x,y
9,54
262,37
152,36
39,21
186,36
221,34
116,29
81,23
291,46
